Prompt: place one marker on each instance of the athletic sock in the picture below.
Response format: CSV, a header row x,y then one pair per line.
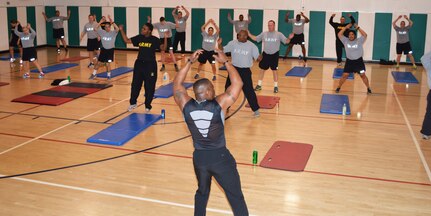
x,y
94,72
275,84
259,82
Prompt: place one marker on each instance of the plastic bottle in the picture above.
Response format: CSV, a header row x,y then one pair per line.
x,y
68,78
255,155
165,78
344,109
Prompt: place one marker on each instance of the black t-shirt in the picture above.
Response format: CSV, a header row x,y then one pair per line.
x,y
338,26
12,31
147,47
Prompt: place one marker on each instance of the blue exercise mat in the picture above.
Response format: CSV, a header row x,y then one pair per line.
x,y
166,91
7,57
338,73
115,72
333,104
298,71
123,131
404,77
222,68
56,67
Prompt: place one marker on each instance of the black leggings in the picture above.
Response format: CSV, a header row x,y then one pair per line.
x,y
221,165
180,37
339,46
426,125
144,72
247,88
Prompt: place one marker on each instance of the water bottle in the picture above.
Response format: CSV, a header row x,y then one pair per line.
x,y
68,78
344,109
163,114
165,78
255,157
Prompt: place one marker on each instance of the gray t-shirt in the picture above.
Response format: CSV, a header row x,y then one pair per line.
x,y
240,25
182,23
162,28
242,53
271,41
90,30
27,40
426,62
402,34
298,26
355,48
107,38
57,21
209,42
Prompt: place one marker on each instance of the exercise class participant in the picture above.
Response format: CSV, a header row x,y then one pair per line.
x,y
243,52
180,34
426,125
107,39
57,28
163,27
29,53
354,51
271,40
145,68
93,44
337,28
208,45
14,41
403,41
205,117
240,24
298,31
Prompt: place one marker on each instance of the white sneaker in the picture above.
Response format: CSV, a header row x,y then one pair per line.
x,y
426,137
20,61
256,113
147,110
12,60
132,107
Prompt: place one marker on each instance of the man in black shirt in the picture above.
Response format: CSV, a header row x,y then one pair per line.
x,y
145,68
204,117
14,41
337,28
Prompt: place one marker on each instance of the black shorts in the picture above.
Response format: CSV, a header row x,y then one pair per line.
x,y
58,33
93,44
354,66
404,47
29,54
106,55
269,61
14,42
297,39
168,44
206,56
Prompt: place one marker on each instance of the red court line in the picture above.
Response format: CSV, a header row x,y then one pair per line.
x,y
240,163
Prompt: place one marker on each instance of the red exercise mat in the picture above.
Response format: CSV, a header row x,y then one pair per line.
x,y
287,156
3,83
43,100
266,102
74,58
75,89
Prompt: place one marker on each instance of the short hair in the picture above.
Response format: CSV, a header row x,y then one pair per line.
x,y
272,21
162,19
199,83
150,26
353,31
211,28
89,15
57,11
14,21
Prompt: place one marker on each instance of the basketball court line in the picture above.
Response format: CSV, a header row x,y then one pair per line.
x,y
412,134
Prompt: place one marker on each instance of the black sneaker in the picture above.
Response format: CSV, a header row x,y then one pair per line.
x,y
176,68
90,65
214,78
196,76
162,68
337,90
58,50
258,88
369,91
275,89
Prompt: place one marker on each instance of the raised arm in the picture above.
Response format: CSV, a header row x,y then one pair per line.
x,y
187,11
123,35
115,26
409,20
180,93
68,15
352,19
251,36
305,17
100,22
174,14
340,34
44,16
16,29
216,27
32,31
148,19
394,23
363,33
231,94
229,18
204,26
331,20
249,19
286,17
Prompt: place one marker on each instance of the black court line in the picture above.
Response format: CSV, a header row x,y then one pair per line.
x,y
52,117
111,158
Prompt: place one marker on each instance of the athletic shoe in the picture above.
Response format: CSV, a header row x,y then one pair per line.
x,y
196,76
415,67
397,66
132,107
109,77
26,75
214,78
92,76
275,89
12,60
176,68
147,110
90,65
369,91
58,50
41,75
258,88
337,90
256,113
426,137
340,64
162,68
20,62
65,49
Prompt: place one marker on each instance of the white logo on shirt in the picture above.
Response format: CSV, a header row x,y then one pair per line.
x,y
25,38
163,30
106,38
90,29
354,46
56,20
180,22
298,24
202,119
241,52
209,40
270,39
402,32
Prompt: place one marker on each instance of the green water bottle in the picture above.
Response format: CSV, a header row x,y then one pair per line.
x,y
68,78
255,157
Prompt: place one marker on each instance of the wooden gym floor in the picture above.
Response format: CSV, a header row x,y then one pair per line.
x,y
372,162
